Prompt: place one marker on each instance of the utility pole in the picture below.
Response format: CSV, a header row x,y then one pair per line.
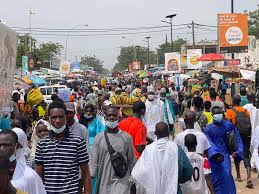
x,y
148,57
232,11
171,27
30,41
193,35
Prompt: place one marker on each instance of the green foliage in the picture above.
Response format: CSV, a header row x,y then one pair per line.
x,y
23,47
43,54
129,54
254,23
166,48
47,51
93,61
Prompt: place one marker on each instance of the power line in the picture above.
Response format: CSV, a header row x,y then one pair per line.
x,y
102,34
93,29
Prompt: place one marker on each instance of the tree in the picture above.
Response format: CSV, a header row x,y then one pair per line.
x,y
166,48
47,51
253,23
93,61
129,54
43,54
23,47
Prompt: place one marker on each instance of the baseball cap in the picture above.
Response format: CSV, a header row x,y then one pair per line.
x,y
70,106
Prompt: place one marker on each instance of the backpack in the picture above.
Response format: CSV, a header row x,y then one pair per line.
x,y
118,162
243,123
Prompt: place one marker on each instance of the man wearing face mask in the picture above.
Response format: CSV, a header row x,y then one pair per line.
x,y
154,112
218,154
62,153
23,177
108,182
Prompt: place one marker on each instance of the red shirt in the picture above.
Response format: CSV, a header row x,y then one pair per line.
x,y
136,128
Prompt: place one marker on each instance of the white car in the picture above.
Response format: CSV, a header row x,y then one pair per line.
x,y
47,91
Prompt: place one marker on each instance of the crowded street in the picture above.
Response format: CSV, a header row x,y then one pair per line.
x,y
129,97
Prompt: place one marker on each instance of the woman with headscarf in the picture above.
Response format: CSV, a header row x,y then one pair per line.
x,y
40,130
24,178
94,126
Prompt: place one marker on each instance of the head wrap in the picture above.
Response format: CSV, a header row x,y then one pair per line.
x,y
24,151
34,137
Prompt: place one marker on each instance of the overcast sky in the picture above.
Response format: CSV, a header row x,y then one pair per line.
x,y
113,14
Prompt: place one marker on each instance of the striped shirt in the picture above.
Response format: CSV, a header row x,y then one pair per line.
x,y
61,161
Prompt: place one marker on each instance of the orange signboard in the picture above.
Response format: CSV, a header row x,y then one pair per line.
x,y
233,32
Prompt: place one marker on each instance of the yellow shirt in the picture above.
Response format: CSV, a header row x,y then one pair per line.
x,y
209,117
18,191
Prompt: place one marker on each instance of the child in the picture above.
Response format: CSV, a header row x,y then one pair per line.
x,y
201,170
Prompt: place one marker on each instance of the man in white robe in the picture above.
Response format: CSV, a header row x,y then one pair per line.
x,y
254,118
154,112
13,143
162,165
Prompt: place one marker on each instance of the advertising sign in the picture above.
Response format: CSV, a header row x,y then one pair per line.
x,y
25,63
172,62
233,33
64,67
76,67
136,65
31,61
8,51
192,59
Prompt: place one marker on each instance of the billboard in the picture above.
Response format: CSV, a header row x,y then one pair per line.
x,y
192,59
233,32
136,65
64,67
173,62
31,61
76,66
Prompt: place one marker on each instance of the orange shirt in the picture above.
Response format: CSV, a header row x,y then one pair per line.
x,y
231,115
136,128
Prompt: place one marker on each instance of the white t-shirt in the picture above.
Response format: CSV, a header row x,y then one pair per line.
x,y
202,141
201,168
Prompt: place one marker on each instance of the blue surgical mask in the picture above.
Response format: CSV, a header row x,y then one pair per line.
x,y
88,116
111,124
58,130
218,117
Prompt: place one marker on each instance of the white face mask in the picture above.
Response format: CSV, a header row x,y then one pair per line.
x,y
111,124
13,157
56,130
151,97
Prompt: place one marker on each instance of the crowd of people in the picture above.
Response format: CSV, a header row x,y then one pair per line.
x,y
139,138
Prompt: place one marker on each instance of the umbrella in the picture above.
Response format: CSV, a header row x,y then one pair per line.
x,y
143,74
26,80
37,81
211,57
18,85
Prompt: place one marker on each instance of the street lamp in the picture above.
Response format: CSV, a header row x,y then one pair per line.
x,y
30,41
171,25
68,36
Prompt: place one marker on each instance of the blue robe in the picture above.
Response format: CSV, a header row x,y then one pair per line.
x,y
222,178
